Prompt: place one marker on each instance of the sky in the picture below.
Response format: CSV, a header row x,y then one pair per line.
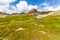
x,y
19,6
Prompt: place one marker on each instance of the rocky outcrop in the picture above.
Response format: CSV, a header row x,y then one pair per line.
x,y
2,14
34,12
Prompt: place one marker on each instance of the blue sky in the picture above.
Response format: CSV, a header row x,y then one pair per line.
x,y
33,2
13,6
38,2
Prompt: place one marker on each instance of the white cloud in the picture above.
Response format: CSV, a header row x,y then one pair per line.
x,y
51,8
8,9
23,6
11,9
3,8
6,1
47,7
32,7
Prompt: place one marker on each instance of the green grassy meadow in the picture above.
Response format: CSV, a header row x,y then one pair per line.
x,y
27,27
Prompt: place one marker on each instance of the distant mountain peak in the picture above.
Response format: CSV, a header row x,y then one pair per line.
x,y
33,11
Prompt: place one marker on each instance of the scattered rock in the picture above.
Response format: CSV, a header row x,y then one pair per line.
x,y
20,29
43,32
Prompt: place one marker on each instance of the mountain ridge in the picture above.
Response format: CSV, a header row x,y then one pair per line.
x,y
33,12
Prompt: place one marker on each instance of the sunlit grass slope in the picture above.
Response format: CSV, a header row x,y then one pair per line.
x,y
27,27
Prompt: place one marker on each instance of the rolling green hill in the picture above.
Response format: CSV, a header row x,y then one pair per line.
x,y
27,27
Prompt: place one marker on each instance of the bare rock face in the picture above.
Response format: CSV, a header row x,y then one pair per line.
x,y
34,12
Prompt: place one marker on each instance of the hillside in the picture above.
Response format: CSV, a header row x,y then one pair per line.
x,y
45,14
27,27
32,12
